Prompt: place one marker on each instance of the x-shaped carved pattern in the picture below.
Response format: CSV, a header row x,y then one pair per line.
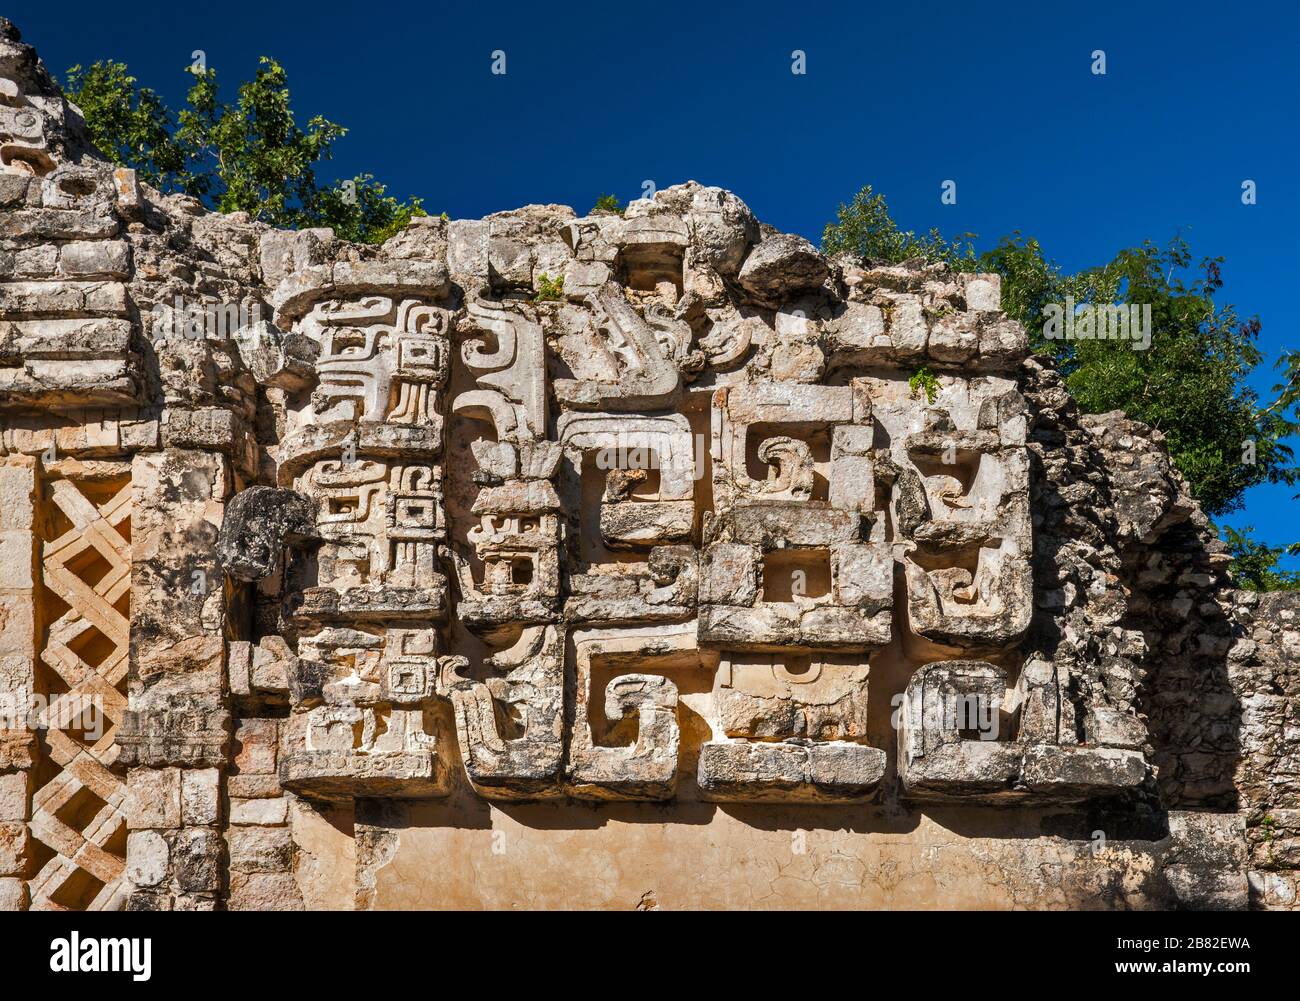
x,y
85,766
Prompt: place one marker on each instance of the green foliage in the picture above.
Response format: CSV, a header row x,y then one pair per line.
x,y
131,125
548,290
363,213
1029,281
1269,828
1190,383
608,203
865,228
261,162
246,156
925,380
1254,564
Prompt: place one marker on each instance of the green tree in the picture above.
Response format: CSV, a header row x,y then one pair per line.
x,y
865,228
1254,564
362,212
246,156
131,125
608,203
1190,383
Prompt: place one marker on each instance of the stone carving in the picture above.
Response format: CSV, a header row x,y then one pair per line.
x,y
796,725
791,560
679,533
86,648
954,741
511,375
633,361
516,536
359,725
23,146
963,502
259,523
510,725
637,758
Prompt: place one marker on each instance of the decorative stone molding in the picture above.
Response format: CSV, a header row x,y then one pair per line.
x,y
395,537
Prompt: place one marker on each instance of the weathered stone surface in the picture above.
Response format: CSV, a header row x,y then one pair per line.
x,y
154,798
374,555
150,855
782,265
259,523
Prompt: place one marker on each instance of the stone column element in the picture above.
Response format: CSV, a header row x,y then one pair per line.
x,y
177,731
17,674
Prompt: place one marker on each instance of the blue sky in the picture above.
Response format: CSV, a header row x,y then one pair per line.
x,y
997,97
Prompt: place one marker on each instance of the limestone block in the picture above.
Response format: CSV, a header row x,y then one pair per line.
x,y
15,797
299,291
63,297
58,224
130,200
262,812
983,292
256,742
739,771
197,858
13,189
15,558
95,259
909,333
153,798
953,339
200,797
259,523
467,249
781,266
36,262
260,849
1003,343
264,891
13,894
283,253
148,858
583,278
15,849
252,786
63,339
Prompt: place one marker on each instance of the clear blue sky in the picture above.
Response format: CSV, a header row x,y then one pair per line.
x,y
998,97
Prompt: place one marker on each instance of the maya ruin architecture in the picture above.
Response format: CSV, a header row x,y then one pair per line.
x,y
411,577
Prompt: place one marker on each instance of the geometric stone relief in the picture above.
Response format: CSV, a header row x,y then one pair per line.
x,y
568,529
678,540
78,811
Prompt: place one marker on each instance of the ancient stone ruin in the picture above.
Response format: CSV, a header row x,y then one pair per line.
x,y
616,561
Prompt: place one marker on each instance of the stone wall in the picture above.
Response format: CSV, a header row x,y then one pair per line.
x,y
1263,664
621,561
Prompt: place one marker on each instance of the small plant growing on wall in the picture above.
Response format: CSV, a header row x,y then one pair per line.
x,y
925,380
549,290
1269,826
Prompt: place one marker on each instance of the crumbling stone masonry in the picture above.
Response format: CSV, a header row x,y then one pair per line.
x,y
401,585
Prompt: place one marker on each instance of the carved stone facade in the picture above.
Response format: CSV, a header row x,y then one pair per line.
x,y
362,552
